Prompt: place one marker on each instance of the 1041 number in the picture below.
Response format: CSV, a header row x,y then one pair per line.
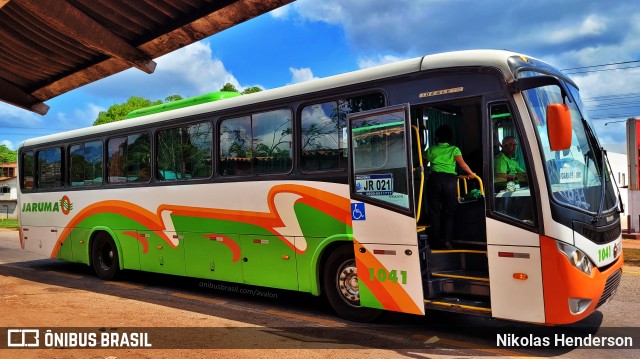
x,y
382,275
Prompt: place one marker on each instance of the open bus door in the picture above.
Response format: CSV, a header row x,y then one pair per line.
x,y
383,210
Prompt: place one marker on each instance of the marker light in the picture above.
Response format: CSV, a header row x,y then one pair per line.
x,y
520,276
576,257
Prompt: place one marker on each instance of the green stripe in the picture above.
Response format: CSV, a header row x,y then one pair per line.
x,y
373,127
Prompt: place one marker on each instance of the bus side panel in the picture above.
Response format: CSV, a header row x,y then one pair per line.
x,y
65,251
319,229
79,240
213,255
512,298
160,255
40,240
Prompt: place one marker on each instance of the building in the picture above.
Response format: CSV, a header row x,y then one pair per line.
x,y
8,190
620,172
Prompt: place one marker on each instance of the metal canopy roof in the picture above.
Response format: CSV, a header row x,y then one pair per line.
x,y
48,47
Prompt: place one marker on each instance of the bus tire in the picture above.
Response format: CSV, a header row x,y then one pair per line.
x,y
104,256
340,282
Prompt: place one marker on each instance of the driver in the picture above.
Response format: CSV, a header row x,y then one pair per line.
x,y
506,167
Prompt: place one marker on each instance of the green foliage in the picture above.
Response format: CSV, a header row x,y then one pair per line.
x,y
253,89
119,111
172,98
229,87
7,155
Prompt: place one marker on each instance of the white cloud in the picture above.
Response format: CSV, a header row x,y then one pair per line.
x,y
591,25
281,13
7,143
79,117
15,117
302,74
366,62
187,72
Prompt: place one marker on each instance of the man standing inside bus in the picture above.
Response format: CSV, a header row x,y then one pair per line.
x,y
507,168
441,186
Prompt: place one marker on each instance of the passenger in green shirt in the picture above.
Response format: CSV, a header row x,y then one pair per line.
x,y
441,190
506,167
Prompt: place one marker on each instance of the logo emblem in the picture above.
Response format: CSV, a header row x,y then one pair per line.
x,y
65,205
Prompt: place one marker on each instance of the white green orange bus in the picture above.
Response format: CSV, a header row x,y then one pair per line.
x,y
318,187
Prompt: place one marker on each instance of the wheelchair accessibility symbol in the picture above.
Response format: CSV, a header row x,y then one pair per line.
x,y
357,212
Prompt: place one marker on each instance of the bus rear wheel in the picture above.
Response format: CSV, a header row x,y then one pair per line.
x,y
104,256
341,286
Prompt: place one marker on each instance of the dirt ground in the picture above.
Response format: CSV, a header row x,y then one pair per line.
x,y
31,303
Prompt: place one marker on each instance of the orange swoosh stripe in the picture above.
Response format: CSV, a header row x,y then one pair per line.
x,y
329,203
146,218
391,295
230,243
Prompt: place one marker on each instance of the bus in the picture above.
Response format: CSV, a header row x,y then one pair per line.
x,y
318,187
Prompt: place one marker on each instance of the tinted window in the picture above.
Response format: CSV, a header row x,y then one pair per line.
x,y
185,152
129,159
260,143
50,168
26,172
85,168
323,127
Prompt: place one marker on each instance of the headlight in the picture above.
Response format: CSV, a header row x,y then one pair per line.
x,y
576,257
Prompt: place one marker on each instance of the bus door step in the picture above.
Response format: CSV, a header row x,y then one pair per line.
x,y
457,260
463,283
454,304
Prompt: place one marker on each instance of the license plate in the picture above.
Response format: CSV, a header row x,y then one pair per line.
x,y
375,184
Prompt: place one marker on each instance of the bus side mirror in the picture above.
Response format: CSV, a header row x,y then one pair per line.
x,y
559,126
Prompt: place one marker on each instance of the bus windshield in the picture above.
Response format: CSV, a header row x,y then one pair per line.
x,y
575,176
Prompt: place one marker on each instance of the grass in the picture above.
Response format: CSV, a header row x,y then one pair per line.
x,y
9,223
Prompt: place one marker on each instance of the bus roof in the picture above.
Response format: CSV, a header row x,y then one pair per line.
x,y
485,58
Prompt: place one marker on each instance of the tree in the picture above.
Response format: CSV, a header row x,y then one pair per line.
x,y
7,155
172,98
117,112
249,90
229,88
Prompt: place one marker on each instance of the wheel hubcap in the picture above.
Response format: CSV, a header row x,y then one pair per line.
x,y
347,282
106,259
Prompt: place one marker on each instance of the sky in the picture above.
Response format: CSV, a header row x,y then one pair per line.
x,y
311,39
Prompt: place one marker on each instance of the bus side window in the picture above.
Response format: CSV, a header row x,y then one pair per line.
x,y
129,159
324,130
184,152
27,171
49,174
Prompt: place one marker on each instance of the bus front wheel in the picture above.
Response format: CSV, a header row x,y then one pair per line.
x,y
104,256
341,286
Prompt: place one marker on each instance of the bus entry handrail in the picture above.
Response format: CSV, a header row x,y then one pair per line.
x,y
421,169
466,190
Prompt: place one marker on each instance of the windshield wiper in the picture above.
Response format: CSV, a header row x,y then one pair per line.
x,y
603,188
603,185
620,204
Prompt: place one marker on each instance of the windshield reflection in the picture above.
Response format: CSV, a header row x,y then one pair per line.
x,y
574,175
